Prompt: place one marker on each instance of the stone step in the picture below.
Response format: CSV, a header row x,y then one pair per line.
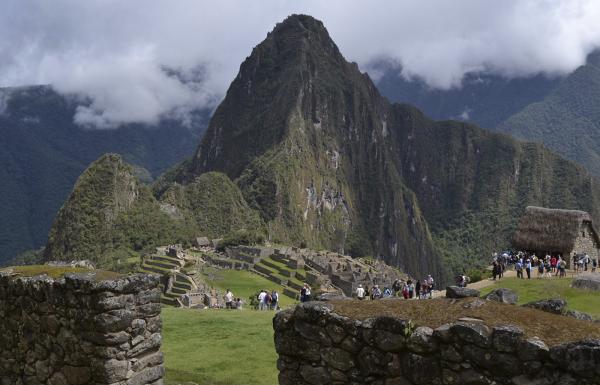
x,y
169,301
161,264
167,259
154,270
182,286
179,291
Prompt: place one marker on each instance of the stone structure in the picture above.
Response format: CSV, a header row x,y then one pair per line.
x,y
560,232
461,292
589,281
80,330
316,346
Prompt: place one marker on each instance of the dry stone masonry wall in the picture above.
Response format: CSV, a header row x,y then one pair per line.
x,y
78,330
316,346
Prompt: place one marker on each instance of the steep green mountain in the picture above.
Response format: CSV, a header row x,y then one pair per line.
x,y
42,152
330,163
483,98
300,131
111,216
568,119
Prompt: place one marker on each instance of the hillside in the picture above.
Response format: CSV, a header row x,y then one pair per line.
x,y
42,152
111,218
568,119
330,163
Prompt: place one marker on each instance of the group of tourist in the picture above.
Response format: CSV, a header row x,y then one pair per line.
x,y
268,300
583,262
529,264
420,289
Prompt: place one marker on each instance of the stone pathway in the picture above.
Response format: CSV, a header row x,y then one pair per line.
x,y
480,284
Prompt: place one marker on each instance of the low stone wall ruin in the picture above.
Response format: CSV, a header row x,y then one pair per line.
x,y
80,330
317,346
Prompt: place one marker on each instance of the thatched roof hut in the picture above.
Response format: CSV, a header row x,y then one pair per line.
x,y
552,230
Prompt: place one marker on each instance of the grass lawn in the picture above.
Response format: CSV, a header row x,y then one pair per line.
x,y
219,347
534,289
244,284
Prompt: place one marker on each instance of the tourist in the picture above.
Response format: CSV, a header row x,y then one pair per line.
x,y
238,303
586,261
430,283
396,287
405,291
376,292
528,268
496,270
411,289
360,292
274,300
305,293
228,299
418,289
548,269
519,268
540,269
262,300
387,293
553,261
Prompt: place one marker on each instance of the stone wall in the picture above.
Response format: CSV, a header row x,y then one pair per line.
x,y
80,330
584,244
317,346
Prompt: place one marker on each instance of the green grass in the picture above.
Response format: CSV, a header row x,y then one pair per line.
x,y
219,347
243,284
535,289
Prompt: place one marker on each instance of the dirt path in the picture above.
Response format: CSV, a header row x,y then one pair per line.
x,y
479,285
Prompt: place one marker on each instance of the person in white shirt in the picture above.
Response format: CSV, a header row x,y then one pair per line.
x,y
360,292
228,299
262,300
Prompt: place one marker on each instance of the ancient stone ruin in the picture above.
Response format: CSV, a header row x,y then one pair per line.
x,y
80,329
318,346
287,267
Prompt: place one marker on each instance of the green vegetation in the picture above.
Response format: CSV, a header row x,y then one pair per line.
x,y
567,120
212,204
534,289
110,218
59,271
219,347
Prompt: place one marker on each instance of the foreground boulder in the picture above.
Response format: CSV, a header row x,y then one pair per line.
x,y
503,295
587,281
461,292
554,305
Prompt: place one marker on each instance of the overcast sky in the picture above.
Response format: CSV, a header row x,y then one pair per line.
x,y
115,52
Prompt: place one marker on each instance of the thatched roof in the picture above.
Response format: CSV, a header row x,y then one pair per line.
x,y
551,230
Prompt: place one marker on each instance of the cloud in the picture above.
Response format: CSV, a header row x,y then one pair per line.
x,y
140,61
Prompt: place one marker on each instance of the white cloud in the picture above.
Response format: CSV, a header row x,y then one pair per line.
x,y
114,53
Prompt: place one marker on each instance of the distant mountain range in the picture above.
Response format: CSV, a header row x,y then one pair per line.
x,y
42,153
306,150
562,113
